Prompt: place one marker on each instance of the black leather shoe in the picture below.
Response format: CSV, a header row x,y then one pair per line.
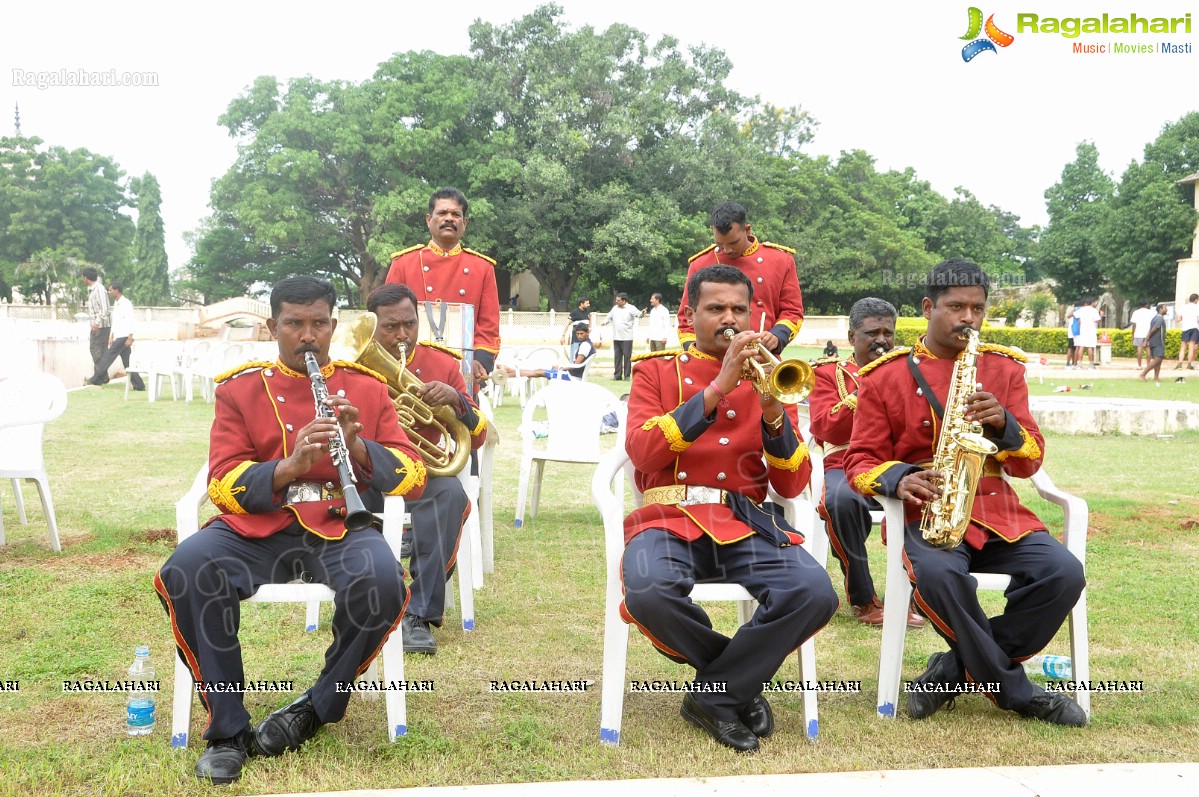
x,y
224,758
1055,707
417,636
942,670
289,727
758,717
730,734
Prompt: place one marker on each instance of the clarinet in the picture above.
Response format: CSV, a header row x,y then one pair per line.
x,y
357,516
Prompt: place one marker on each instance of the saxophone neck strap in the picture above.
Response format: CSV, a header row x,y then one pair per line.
x,y
925,390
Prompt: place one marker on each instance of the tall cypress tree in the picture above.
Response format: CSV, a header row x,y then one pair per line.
x,y
150,277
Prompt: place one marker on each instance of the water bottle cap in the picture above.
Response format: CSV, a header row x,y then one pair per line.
x,y
142,650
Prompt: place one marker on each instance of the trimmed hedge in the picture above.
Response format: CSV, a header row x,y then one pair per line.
x,y
1039,340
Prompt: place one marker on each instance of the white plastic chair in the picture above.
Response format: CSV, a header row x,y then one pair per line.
x,y
575,412
187,369
186,523
27,403
154,363
899,592
607,490
524,386
220,359
483,519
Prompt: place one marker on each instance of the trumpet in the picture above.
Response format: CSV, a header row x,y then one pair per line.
x,y
790,381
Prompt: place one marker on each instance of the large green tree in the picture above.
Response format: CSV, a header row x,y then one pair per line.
x,y
1152,220
58,209
148,280
1071,247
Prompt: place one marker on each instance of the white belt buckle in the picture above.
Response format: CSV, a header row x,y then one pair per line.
x,y
303,492
701,495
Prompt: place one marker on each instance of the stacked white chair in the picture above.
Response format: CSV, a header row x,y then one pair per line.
x,y
27,403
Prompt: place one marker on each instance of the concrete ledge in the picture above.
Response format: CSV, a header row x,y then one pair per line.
x,y
1078,415
1081,779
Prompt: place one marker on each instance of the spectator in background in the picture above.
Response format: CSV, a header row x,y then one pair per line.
x,y
1156,341
1086,336
1139,322
120,340
1188,317
98,313
830,349
659,323
1071,334
581,314
621,317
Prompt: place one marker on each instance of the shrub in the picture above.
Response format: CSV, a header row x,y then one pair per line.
x,y
1039,340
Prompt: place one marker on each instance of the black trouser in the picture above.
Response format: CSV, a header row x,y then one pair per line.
x,y
622,351
795,594
204,581
848,527
657,345
119,348
437,518
99,343
1046,582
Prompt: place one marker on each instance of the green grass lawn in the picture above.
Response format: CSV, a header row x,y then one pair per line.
x,y
117,467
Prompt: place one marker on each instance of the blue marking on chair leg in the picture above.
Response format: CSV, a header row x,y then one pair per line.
x,y
609,736
886,710
813,728
518,523
179,740
310,628
468,624
401,730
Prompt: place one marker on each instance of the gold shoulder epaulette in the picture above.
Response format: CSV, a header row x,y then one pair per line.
x,y
701,252
479,254
439,347
1007,351
394,255
664,353
787,249
894,354
362,368
826,361
243,367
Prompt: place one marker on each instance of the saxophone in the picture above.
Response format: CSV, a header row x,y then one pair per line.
x,y
961,452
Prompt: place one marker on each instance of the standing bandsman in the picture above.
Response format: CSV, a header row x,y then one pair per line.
x,y
443,270
439,514
705,446
778,304
832,404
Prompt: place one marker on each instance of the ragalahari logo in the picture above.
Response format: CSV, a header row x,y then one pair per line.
x,y
981,45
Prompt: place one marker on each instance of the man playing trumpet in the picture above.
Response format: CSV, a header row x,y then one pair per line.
x,y
704,446
438,516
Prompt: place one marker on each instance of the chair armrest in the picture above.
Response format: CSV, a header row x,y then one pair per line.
x,y
1076,514
187,508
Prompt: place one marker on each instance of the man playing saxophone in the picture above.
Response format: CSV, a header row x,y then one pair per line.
x,y
438,516
903,397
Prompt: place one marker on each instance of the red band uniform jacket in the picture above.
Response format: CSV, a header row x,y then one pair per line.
x,y
430,362
461,276
260,408
671,442
895,431
771,270
832,406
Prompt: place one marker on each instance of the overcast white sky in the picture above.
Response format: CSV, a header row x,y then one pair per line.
x,y
880,76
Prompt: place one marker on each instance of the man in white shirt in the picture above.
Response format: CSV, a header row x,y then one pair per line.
x,y
621,317
120,340
659,323
1139,321
1088,332
1188,316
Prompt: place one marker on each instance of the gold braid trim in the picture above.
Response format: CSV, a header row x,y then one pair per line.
x,y
701,252
670,430
787,249
645,355
223,492
792,462
686,337
414,473
1006,351
898,351
360,367
413,248
480,254
867,483
243,367
791,325
1027,450
481,426
439,347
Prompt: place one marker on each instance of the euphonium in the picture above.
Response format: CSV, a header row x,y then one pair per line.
x,y
961,452
453,452
791,380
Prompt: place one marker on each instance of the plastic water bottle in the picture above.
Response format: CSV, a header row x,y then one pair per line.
x,y
1057,667
140,705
